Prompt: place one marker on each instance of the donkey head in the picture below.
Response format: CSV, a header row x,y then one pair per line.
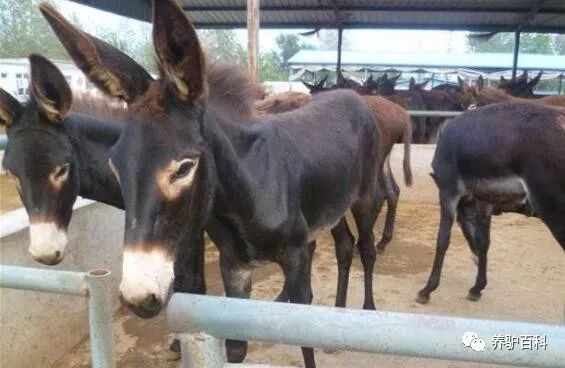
x,y
40,159
161,159
385,85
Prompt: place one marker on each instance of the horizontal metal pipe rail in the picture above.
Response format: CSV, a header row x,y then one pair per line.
x,y
94,285
434,114
413,113
201,320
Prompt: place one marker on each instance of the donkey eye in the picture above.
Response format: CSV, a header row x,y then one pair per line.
x,y
62,171
183,170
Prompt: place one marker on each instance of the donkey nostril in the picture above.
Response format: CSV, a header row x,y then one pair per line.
x,y
57,254
151,304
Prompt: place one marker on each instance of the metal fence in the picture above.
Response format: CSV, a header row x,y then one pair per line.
x,y
94,284
202,320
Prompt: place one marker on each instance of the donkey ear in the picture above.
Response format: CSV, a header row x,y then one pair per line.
x,y
10,108
49,89
310,87
535,80
322,82
480,83
178,50
412,84
461,83
115,73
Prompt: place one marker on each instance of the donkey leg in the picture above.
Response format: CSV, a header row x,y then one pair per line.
x,y
467,213
343,240
482,243
296,264
392,194
365,214
284,295
236,276
188,272
448,203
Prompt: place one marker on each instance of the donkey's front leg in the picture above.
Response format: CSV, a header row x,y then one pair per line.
x,y
189,275
236,276
297,264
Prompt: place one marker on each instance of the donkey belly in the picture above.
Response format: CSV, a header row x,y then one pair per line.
x,y
506,194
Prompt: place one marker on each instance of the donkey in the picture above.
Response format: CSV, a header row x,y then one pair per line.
x,y
526,175
184,168
490,95
434,100
394,127
54,155
520,87
45,132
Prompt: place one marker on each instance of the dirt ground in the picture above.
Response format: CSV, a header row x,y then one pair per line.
x,y
525,283
9,198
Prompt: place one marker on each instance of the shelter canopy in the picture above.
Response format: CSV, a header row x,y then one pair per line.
x,y
472,15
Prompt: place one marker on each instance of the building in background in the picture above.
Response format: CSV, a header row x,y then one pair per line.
x,y
14,77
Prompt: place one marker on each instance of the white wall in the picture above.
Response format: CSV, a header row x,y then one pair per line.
x,y
14,77
38,328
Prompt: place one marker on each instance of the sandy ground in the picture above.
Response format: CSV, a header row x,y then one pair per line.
x,y
525,283
9,198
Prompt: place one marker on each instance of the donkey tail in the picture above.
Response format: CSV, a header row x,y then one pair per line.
x,y
407,138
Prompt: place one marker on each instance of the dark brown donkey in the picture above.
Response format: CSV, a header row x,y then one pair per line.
x,y
394,126
502,158
267,187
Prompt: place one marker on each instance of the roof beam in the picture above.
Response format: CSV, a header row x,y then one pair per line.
x,y
374,25
300,8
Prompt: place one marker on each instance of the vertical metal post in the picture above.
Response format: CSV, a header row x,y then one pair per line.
x,y
253,38
560,83
338,66
199,350
100,319
516,52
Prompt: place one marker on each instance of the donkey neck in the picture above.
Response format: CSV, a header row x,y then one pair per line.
x,y
228,143
92,139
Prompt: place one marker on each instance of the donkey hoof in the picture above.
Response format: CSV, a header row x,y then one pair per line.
x,y
474,297
422,298
174,351
369,306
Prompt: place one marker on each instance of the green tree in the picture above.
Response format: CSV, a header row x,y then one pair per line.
x,y
288,45
223,44
559,44
270,69
531,43
133,42
24,31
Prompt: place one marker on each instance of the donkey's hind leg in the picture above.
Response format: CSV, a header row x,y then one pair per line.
x,y
475,219
365,214
392,194
343,240
448,204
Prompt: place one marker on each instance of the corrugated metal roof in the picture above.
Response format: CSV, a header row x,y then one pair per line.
x,y
479,61
473,15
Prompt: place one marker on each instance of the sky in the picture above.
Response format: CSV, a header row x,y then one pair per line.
x,y
358,40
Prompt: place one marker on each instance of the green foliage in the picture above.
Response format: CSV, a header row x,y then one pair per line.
x,y
531,43
223,44
270,69
24,31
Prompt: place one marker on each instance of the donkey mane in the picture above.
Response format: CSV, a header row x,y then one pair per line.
x,y
230,91
100,107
